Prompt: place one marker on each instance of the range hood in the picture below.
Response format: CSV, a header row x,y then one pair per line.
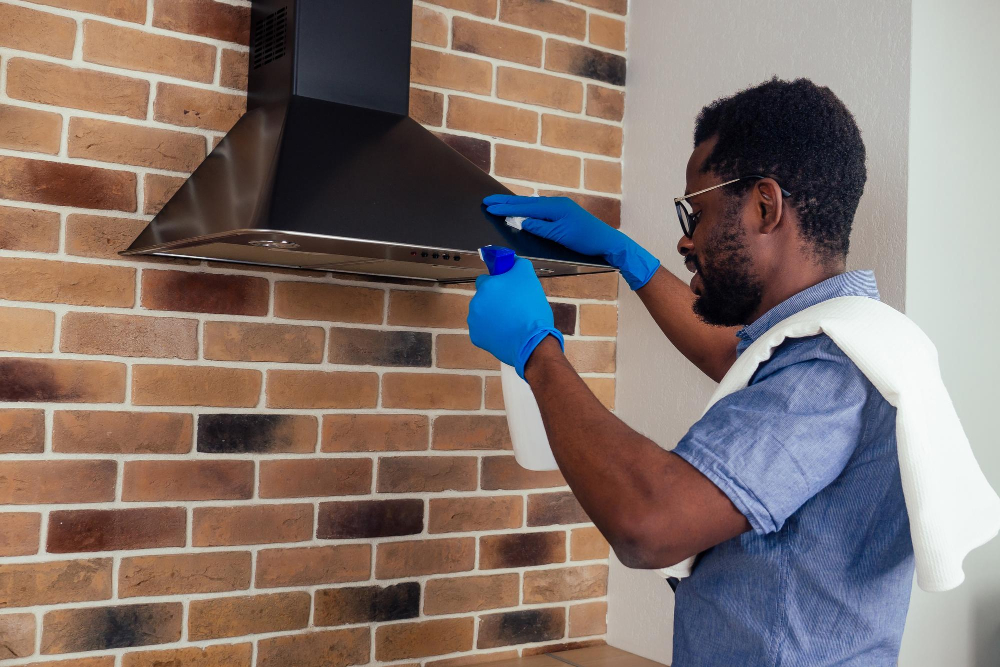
x,y
326,171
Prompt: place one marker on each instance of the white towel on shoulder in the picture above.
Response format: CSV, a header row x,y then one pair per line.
x,y
952,508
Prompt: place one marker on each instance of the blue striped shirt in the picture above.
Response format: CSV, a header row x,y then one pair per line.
x,y
807,452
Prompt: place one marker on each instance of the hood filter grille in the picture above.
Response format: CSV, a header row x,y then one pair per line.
x,y
269,39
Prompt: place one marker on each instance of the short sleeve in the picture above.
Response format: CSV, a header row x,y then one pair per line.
x,y
773,445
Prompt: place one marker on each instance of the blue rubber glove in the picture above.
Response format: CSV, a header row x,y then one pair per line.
x,y
562,220
509,315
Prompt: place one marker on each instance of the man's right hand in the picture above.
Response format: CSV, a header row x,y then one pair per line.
x,y
562,220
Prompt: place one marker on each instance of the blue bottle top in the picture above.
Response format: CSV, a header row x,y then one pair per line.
x,y
498,259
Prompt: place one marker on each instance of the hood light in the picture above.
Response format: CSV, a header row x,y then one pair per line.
x,y
268,243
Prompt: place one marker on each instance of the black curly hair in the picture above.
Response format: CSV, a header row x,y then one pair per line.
x,y
804,137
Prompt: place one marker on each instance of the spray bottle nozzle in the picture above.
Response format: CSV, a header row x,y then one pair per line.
x,y
498,259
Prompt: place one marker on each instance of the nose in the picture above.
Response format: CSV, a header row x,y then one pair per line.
x,y
685,246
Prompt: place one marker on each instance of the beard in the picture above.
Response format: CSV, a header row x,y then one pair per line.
x,y
732,291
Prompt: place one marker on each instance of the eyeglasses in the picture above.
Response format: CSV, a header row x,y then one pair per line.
x,y
686,214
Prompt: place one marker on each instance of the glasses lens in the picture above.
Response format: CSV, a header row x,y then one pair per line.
x,y
683,217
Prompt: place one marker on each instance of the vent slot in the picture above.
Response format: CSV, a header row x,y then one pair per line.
x,y
269,38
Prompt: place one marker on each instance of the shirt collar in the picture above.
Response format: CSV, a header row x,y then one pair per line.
x,y
852,283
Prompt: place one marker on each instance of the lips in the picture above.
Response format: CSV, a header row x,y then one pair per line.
x,y
696,282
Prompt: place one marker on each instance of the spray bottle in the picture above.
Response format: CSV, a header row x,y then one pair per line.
x,y
527,433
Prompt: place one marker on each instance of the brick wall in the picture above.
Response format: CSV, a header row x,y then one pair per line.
x,y
203,464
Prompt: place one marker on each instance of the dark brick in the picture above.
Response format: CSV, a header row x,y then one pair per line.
x,y
521,627
521,550
204,292
370,518
101,628
565,317
476,151
110,530
585,61
253,434
367,604
545,509
380,348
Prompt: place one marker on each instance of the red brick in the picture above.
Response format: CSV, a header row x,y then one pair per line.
x,y
103,661
184,574
135,145
424,391
309,566
39,32
26,330
129,335
494,393
484,8
427,107
45,182
326,302
350,605
409,474
321,389
587,544
196,107
521,627
477,432
102,628
157,190
101,236
82,431
567,583
545,509
28,229
251,341
38,482
494,41
541,89
550,17
448,515
591,356
429,27
229,23
195,385
428,309
419,557
600,286
17,636
602,176
456,595
153,481
77,88
521,550
126,48
113,530
124,10
20,533
234,69
457,351
204,292
613,6
303,478
374,433
57,582
32,130
496,120
605,103
585,61
220,655
62,381
589,618
531,164
252,524
22,431
248,615
581,135
332,648
503,472
607,32
444,70
423,638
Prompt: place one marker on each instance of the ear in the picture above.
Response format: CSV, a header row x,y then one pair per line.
x,y
769,205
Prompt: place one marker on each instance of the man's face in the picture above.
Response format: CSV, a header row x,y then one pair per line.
x,y
725,276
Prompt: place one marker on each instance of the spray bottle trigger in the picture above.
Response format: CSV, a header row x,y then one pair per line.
x,y
498,259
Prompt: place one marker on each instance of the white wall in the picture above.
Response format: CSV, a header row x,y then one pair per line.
x,y
683,55
952,289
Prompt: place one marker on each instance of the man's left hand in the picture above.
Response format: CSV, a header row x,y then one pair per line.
x,y
509,315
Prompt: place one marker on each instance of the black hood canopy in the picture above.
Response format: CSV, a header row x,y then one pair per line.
x,y
326,171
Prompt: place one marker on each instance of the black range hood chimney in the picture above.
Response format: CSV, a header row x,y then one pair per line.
x,y
326,171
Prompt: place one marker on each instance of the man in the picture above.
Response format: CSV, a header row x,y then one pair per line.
x,y
790,488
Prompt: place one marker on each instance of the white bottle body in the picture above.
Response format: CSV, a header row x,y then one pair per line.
x,y
527,432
